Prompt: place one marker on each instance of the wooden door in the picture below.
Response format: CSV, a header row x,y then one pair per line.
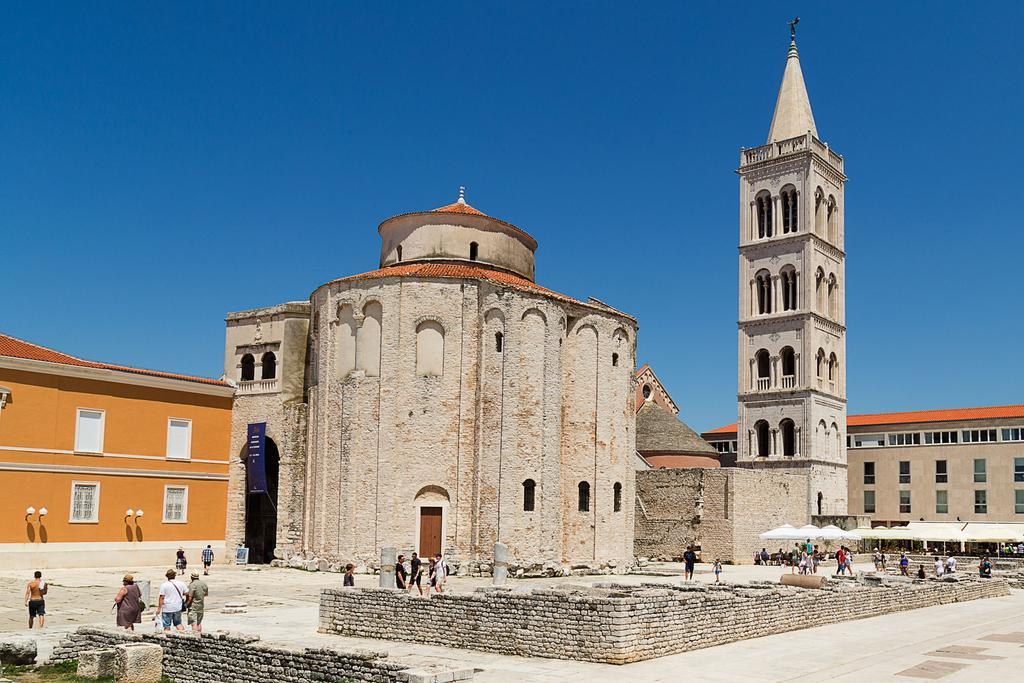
x,y
430,532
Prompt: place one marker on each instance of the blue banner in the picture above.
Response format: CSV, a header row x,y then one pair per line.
x,y
255,462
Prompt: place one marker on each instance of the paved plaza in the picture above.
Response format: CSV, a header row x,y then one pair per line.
x,y
958,642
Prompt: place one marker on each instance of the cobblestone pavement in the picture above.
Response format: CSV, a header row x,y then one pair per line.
x,y
961,642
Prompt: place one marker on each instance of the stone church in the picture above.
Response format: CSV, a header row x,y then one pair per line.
x,y
440,403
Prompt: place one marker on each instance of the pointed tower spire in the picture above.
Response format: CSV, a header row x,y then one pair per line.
x,y
793,116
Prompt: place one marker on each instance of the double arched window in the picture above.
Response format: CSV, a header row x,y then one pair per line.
x,y
763,287
788,282
787,197
763,210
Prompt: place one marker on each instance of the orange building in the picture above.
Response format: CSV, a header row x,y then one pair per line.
x,y
106,465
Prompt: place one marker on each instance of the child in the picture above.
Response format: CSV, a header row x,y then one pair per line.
x,y
717,569
350,578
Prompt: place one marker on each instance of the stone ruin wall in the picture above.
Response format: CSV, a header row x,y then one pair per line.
x,y
618,624
722,510
238,658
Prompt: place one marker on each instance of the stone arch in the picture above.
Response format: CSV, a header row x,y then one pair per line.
x,y
345,340
430,349
368,338
833,220
533,310
248,371
432,493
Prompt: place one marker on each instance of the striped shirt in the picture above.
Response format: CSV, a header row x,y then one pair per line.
x,y
208,555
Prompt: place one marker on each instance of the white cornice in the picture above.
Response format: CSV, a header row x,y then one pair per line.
x,y
118,376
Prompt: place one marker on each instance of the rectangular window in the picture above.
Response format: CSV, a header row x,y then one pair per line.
x,y
936,438
85,501
179,438
868,440
89,431
904,501
980,502
175,504
941,473
904,471
869,501
907,439
1013,434
869,473
980,474
1018,501
979,435
941,502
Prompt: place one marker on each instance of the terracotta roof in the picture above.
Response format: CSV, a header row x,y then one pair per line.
x,y
18,348
659,431
917,416
463,271
458,207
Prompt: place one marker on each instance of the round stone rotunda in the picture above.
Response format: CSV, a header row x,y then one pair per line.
x,y
440,403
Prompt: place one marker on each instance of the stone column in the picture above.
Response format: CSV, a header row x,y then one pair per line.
x,y
500,564
796,369
776,297
772,449
388,558
796,441
774,372
775,215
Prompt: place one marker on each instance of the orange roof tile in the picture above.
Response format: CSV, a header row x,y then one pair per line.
x,y
458,207
13,347
917,416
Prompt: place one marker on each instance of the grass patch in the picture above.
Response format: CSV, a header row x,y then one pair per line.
x,y
64,672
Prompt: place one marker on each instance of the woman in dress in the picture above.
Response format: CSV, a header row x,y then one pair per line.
x,y
180,563
129,604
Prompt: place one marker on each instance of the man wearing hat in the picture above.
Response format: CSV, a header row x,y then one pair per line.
x,y
171,602
197,592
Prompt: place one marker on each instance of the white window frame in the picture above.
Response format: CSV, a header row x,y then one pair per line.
x,y
103,429
188,446
96,510
184,505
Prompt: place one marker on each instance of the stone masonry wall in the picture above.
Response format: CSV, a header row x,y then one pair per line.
x,y
236,658
721,510
617,624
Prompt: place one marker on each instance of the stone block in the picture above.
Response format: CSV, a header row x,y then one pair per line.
x,y
96,663
17,651
138,663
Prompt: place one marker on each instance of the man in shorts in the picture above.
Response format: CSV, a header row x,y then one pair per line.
x,y
400,573
171,602
415,572
197,592
207,560
34,592
689,559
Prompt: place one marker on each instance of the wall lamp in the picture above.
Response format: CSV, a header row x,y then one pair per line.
x,y
129,512
29,511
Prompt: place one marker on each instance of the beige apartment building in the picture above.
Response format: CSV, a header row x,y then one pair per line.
x,y
933,465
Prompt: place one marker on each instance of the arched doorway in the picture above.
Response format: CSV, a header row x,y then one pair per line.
x,y
261,511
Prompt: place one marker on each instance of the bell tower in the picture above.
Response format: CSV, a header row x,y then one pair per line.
x,y
792,331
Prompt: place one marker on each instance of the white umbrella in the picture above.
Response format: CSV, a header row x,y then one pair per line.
x,y
786,532
809,531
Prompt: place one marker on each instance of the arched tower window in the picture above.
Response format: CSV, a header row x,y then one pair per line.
x,y
584,497
763,363
820,211
248,368
763,208
833,220
763,285
499,341
429,349
269,365
788,280
474,250
761,434
617,497
789,209
788,367
819,289
833,368
833,291
529,493
788,429
820,363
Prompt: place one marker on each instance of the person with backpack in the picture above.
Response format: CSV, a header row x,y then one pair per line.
x,y
171,602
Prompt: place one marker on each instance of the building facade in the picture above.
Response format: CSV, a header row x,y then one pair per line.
x,y
440,404
792,334
105,465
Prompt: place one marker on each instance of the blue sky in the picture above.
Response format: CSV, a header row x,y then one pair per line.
x,y
163,165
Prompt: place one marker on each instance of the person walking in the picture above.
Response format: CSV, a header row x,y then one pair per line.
x,y
400,573
207,560
350,578
197,592
717,569
129,604
432,572
415,573
171,602
689,560
950,564
940,567
440,573
840,560
35,592
794,558
904,564
179,561
848,560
